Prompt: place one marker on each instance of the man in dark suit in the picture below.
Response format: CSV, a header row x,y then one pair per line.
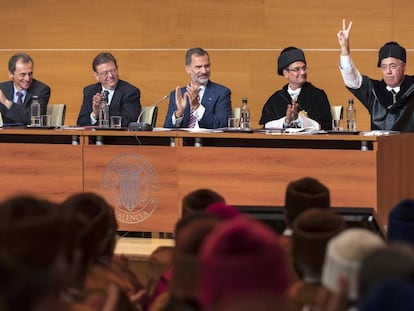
x,y
123,97
202,103
16,95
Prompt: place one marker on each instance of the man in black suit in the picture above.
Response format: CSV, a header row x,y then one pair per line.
x,y
123,97
16,95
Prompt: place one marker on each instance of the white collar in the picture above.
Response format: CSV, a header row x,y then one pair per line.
x,y
294,94
396,89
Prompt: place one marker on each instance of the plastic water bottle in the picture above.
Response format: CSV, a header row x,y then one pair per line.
x,y
244,114
351,116
104,111
35,112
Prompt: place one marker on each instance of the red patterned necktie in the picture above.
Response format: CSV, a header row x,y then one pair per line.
x,y
193,119
20,98
192,122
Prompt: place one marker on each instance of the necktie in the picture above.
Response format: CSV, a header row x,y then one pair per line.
x,y
106,93
394,96
20,98
192,121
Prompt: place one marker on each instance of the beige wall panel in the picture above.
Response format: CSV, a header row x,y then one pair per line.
x,y
314,24
100,24
137,23
403,26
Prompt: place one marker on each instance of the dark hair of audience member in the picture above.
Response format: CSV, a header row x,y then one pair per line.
x,y
198,200
97,225
37,253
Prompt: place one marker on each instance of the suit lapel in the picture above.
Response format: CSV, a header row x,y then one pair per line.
x,y
209,96
115,102
27,98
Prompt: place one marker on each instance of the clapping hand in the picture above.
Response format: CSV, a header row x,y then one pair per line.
x,y
292,111
191,95
96,103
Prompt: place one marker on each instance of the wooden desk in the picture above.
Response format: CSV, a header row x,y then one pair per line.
x,y
246,168
255,169
41,162
137,174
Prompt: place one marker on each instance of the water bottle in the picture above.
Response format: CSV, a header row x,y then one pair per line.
x,y
35,112
244,114
104,111
351,116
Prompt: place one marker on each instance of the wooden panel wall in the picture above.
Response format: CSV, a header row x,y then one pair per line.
x,y
244,38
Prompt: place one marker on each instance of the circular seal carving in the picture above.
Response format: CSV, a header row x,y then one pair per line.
x,y
130,184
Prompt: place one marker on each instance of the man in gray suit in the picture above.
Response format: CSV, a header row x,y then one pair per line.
x,y
16,95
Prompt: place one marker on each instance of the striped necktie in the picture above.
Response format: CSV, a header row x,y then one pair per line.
x,y
193,119
394,96
192,122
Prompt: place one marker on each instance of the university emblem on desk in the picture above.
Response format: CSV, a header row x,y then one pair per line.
x,y
130,184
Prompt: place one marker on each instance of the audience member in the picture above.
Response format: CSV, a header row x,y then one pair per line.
x,y
220,211
199,199
311,232
158,272
159,269
298,103
391,262
344,255
190,234
395,295
242,265
401,222
202,103
16,96
302,194
390,102
103,272
38,254
123,97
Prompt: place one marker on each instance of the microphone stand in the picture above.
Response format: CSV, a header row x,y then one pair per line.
x,y
143,126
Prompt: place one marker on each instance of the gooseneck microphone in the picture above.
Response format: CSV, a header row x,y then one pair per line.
x,y
143,126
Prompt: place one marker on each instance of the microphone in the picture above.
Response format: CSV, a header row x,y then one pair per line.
x,y
143,126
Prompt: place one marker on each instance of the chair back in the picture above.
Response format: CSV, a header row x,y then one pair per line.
x,y
149,115
57,114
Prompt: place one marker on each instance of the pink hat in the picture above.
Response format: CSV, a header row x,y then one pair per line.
x,y
241,257
223,210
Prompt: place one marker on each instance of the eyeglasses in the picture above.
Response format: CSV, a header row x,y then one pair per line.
x,y
297,69
107,72
391,67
